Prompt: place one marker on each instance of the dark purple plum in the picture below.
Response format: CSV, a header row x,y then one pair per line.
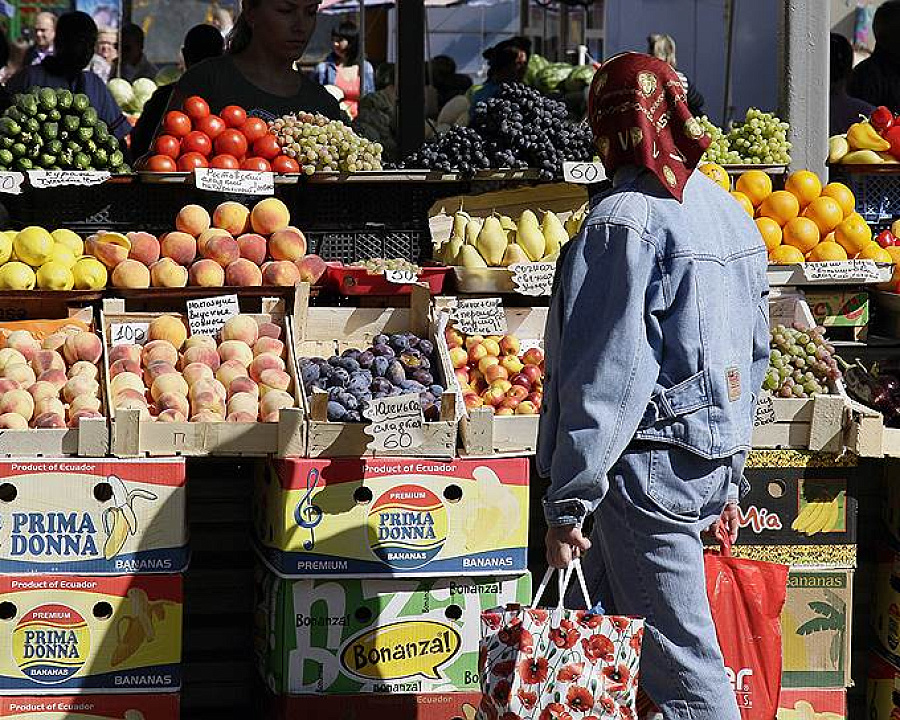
x,y
436,390
423,376
351,353
382,350
334,361
396,373
339,377
411,386
353,416
336,412
381,340
349,401
399,342
334,393
358,383
426,347
349,364
365,359
309,372
380,385
380,366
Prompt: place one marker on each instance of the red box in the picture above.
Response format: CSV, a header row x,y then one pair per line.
x,y
822,700
101,707
428,706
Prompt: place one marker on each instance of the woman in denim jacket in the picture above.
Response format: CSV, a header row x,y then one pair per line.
x,y
656,346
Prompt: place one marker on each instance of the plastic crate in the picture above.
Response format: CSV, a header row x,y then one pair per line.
x,y
877,194
349,246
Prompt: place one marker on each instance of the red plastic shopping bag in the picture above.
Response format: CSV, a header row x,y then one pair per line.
x,y
554,664
746,598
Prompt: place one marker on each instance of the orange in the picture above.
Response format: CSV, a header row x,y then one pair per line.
x,y
744,201
717,174
756,185
843,195
804,185
826,251
853,234
894,252
829,237
770,231
781,206
802,234
786,255
874,251
826,213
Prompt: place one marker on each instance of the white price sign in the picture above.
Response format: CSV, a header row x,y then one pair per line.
x,y
401,277
207,315
842,271
397,423
765,411
128,333
583,173
480,317
236,182
11,183
533,279
57,178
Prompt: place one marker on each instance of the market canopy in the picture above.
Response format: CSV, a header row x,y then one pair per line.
x,y
335,6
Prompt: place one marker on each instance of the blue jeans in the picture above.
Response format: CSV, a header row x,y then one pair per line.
x,y
646,559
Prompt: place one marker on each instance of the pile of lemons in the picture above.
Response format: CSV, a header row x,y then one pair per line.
x,y
36,258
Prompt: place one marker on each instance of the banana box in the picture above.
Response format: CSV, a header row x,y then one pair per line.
x,y
94,517
813,704
331,636
91,707
425,706
354,517
883,689
68,633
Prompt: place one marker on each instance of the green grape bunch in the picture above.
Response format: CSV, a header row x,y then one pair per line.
x,y
323,145
719,151
801,362
761,139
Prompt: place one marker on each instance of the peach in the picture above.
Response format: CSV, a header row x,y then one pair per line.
x,y
6,384
206,273
13,421
287,245
274,380
83,367
272,403
203,355
80,385
55,377
110,254
49,421
144,247
223,249
207,400
243,402
126,380
253,248
311,268
24,342
271,330
19,402
241,327
193,220
83,346
180,247
269,216
126,352
24,375
282,273
130,397
236,350
240,416
159,350
194,372
219,389
173,401
49,405
47,360
243,385
168,327
270,345
200,341
208,416
205,237
75,419
231,216
120,366
42,390
170,383
84,402
9,356
131,274
263,362
168,274
155,369
243,273
171,416
229,371
54,341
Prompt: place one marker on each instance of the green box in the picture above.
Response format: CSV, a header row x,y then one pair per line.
x,y
839,308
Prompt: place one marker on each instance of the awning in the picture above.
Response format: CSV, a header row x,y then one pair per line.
x,y
336,6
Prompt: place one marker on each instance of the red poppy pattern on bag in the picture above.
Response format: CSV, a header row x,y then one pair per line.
x,y
550,664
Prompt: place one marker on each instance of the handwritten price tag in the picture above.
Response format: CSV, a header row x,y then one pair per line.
x,y
480,317
207,315
237,182
42,179
11,183
843,271
533,278
128,333
583,173
397,423
765,411
400,277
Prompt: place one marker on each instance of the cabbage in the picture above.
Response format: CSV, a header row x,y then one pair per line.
x,y
143,89
168,75
121,91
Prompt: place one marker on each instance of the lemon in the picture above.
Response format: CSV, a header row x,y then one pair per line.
x,y
70,240
873,251
90,274
16,276
33,246
55,276
5,248
62,254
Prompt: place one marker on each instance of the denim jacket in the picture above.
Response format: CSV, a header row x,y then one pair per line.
x,y
658,331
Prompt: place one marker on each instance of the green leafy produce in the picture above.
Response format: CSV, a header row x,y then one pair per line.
x,y
580,77
536,63
551,77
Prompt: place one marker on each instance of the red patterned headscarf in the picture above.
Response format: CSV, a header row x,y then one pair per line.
x,y
639,114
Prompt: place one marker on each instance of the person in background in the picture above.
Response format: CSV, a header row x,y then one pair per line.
x,y
507,62
201,42
448,83
16,60
843,109
76,38
876,80
663,48
132,63
6,98
44,35
222,20
341,67
105,54
377,117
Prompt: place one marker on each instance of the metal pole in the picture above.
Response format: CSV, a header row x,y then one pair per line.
x,y
731,9
362,47
411,74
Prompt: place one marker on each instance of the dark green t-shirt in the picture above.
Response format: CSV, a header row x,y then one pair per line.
x,y
221,83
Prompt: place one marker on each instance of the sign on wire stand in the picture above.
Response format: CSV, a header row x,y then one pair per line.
x,y
397,423
402,276
842,271
583,173
42,179
206,316
535,278
235,182
483,316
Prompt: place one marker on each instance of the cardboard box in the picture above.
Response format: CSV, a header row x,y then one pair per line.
x,y
815,629
882,696
393,517
375,636
430,706
886,605
92,516
812,704
71,633
91,707
839,308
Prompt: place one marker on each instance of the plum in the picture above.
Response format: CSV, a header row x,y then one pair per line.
x,y
334,361
319,384
339,377
411,386
423,376
309,373
436,390
399,342
411,359
380,386
336,412
353,416
349,364
426,347
382,350
358,383
394,392
334,393
396,373
351,353
365,359
381,340
349,401
380,366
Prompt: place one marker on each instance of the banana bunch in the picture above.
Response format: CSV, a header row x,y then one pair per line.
x,y
862,145
804,711
818,516
120,521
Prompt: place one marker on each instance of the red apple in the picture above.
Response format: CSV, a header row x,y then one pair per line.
x,y
493,396
517,393
487,362
533,356
453,337
477,352
882,119
509,345
472,400
512,364
496,372
476,379
537,398
510,402
504,411
458,358
502,385
892,135
462,376
526,407
473,340
522,380
533,372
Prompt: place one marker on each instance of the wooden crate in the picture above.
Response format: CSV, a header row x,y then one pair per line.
x,y
132,437
326,331
89,439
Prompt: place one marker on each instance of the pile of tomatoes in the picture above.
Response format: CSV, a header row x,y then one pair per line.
x,y
193,138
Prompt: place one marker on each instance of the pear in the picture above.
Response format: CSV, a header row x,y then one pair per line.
x,y
451,249
575,221
460,219
491,241
530,237
514,254
552,257
555,234
469,258
473,227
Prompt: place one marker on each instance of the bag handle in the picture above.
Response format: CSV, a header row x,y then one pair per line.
x,y
724,539
564,577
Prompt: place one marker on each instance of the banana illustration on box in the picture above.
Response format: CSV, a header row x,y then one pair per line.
x,y
817,516
804,711
120,520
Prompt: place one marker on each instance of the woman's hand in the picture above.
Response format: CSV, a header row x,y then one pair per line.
x,y
730,521
564,544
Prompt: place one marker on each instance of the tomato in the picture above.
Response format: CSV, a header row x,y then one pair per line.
x,y
285,164
160,163
231,142
254,129
234,116
176,124
212,126
196,108
256,163
267,147
197,141
190,161
225,162
167,145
